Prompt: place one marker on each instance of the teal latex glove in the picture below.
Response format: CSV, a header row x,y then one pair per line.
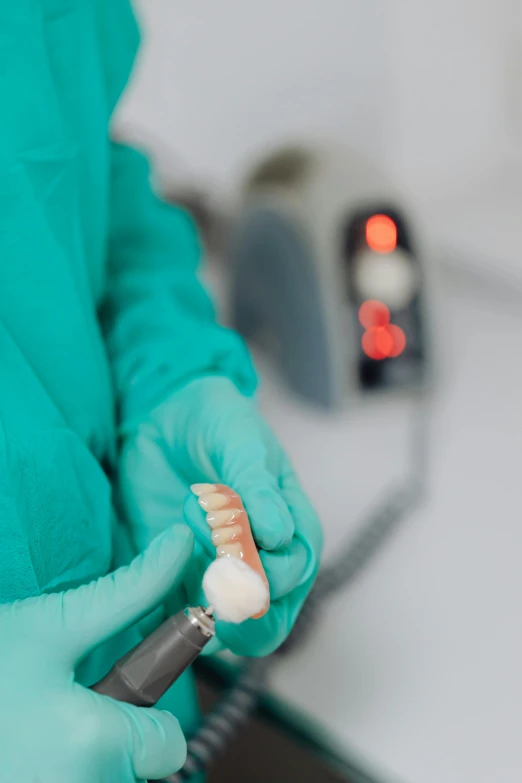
x,y
209,432
52,729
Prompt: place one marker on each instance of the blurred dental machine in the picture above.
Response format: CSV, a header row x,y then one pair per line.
x,y
329,275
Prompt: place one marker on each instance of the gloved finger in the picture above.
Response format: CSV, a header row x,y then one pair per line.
x,y
262,637
287,568
91,614
256,637
158,746
270,518
250,468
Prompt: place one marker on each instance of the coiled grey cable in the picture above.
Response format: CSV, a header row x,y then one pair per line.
x,y
235,707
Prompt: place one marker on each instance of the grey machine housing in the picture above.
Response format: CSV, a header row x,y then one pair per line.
x,y
292,262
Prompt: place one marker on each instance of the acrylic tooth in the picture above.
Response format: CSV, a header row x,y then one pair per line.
x,y
229,550
203,489
212,501
224,534
222,517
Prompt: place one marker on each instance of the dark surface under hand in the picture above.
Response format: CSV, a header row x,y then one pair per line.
x,y
263,753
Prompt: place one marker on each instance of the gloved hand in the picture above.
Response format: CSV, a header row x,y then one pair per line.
x,y
53,730
209,432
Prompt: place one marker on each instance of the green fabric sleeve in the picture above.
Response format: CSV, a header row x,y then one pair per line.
x,y
158,320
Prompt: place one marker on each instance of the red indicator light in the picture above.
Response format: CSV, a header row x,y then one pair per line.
x,y
398,340
373,313
381,234
383,342
377,343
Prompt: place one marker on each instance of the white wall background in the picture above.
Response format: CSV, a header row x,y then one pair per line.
x,y
426,86
514,78
448,64
219,79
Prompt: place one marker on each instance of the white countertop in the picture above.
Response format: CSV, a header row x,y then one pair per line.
x,y
422,678
415,671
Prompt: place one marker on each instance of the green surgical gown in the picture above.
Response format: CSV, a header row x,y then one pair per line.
x,y
101,313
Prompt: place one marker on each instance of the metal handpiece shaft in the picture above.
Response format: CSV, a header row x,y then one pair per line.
x,y
145,673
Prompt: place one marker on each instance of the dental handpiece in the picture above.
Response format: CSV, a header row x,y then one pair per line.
x,y
145,673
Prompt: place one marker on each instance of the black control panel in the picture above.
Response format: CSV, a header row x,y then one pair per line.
x,y
391,340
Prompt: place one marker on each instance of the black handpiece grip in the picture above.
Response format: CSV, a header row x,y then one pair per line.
x,y
145,673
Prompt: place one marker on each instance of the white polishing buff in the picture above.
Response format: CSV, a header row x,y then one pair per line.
x,y
234,589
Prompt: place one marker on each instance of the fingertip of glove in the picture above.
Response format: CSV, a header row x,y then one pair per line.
x,y
272,523
257,638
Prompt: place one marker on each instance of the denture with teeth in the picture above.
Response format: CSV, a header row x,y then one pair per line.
x,y
235,584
